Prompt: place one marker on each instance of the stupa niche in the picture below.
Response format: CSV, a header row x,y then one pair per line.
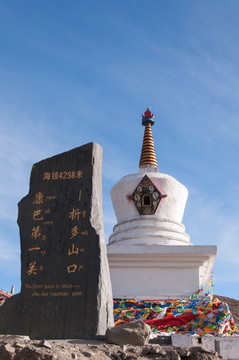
x,y
150,255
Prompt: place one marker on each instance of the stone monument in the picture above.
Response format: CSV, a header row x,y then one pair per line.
x,y
150,254
65,283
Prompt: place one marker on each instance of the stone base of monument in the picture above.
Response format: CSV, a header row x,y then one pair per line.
x,y
159,271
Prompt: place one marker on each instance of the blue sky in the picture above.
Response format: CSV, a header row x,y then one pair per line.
x,y
72,72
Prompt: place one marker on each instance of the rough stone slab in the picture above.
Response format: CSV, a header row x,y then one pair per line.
x,y
134,333
66,288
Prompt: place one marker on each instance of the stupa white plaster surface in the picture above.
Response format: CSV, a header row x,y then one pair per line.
x,y
151,256
163,228
159,271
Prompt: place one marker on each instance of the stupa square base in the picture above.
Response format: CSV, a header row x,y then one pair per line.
x,y
159,271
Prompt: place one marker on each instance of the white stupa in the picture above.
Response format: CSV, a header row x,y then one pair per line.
x,y
150,255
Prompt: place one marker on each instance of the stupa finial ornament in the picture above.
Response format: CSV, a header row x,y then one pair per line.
x,y
148,156
147,117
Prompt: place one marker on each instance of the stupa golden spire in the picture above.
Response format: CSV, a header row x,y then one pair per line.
x,y
148,155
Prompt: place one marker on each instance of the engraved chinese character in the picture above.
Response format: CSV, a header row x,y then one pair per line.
x,y
71,268
43,252
79,174
74,214
35,248
46,176
50,197
47,211
37,215
74,232
84,214
80,267
38,198
36,232
48,223
85,233
73,250
41,267
32,268
54,175
43,237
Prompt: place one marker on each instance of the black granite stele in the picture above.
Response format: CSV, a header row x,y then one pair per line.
x,y
66,289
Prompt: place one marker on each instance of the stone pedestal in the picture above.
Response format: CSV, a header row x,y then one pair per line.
x,y
159,271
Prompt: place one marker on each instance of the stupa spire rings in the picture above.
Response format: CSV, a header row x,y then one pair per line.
x,y
148,155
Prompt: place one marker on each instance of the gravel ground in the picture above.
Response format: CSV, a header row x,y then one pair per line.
x,y
22,348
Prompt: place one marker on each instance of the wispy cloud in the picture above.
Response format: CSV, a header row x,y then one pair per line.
x,y
22,144
208,223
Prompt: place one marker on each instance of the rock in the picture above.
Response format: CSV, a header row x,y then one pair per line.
x,y
134,333
45,344
123,355
115,356
183,351
88,353
153,349
31,354
19,345
131,349
199,353
10,348
175,355
124,347
7,352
